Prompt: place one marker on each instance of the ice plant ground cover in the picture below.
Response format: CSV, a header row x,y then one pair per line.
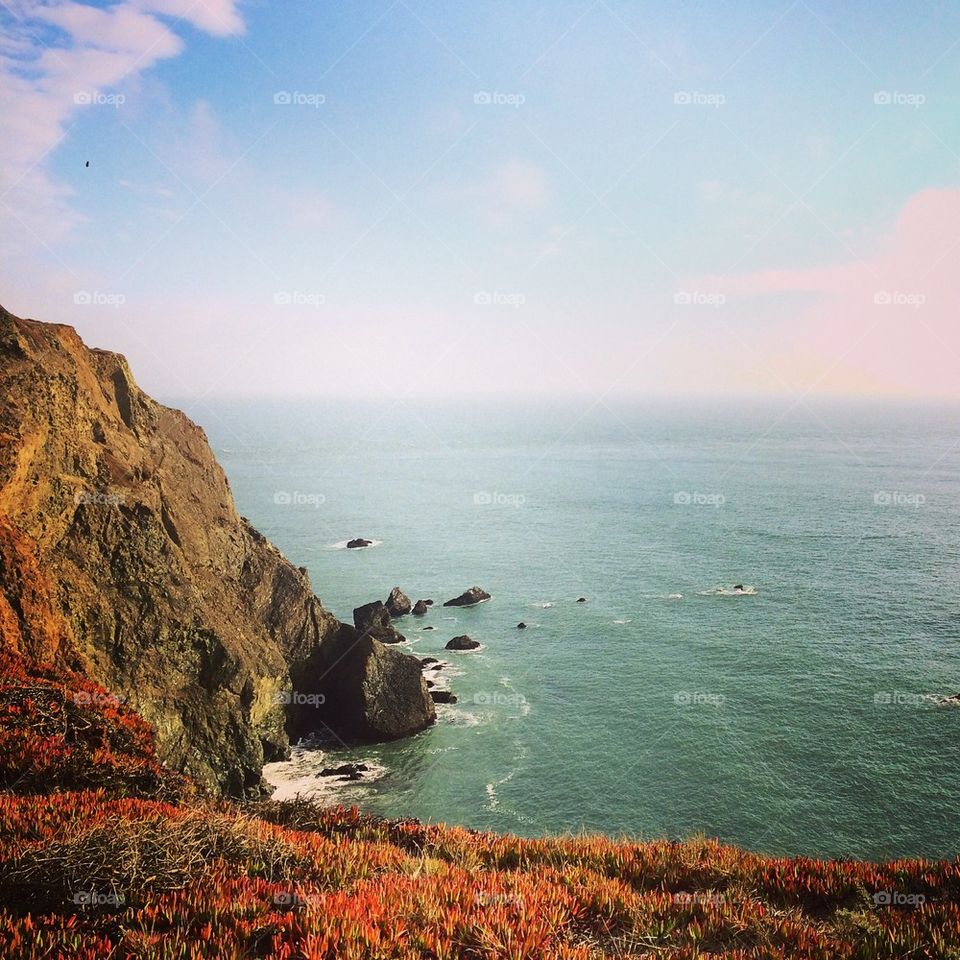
x,y
105,853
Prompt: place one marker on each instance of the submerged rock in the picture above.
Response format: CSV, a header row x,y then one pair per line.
x,y
521,626
344,770
373,619
398,603
359,542
469,598
581,599
462,643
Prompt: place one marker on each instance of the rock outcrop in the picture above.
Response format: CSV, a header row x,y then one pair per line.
x,y
398,603
420,608
122,555
469,598
358,543
462,643
373,620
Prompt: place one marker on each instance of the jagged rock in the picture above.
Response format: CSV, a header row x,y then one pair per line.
x,y
420,608
344,770
429,628
122,555
462,643
426,661
374,619
581,599
398,603
375,692
521,626
359,542
443,696
469,598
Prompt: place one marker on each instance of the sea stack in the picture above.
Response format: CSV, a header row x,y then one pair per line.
x,y
469,598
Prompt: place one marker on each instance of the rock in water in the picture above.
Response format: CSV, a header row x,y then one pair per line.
x,y
443,696
373,619
122,556
462,643
420,608
521,626
375,692
581,599
470,597
359,542
398,603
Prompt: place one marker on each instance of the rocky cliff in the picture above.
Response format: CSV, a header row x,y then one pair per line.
x,y
122,555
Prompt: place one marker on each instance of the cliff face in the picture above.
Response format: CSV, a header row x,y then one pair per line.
x,y
122,555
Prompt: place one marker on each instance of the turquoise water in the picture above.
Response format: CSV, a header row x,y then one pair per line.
x,y
763,720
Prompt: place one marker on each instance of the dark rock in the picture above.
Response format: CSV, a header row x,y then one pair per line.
x,y
373,619
375,692
359,542
344,770
436,666
430,684
443,696
462,643
429,628
469,598
420,608
429,603
581,599
398,603
521,626
426,661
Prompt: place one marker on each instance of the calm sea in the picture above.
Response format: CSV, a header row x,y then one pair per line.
x,y
799,718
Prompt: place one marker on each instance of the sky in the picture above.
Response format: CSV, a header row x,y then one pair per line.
x,y
414,198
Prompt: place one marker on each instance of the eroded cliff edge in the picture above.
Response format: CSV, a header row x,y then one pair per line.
x,y
122,555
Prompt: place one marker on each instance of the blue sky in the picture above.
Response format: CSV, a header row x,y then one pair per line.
x,y
595,197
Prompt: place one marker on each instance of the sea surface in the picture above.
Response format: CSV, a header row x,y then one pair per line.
x,y
798,717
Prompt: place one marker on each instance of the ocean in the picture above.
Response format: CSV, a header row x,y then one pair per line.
x,y
799,716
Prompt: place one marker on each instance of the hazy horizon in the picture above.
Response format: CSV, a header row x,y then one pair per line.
x,y
400,199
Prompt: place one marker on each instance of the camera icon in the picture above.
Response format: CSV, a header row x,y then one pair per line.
x,y
282,498
682,498
882,98
82,699
682,297
482,699
883,498
83,298
82,98
482,97
882,298
482,499
283,98
882,898
682,97
482,299
282,299
682,699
